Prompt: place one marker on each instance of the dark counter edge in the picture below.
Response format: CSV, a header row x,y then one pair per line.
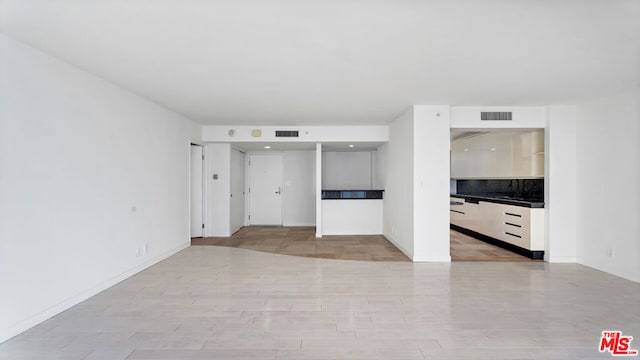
x,y
370,194
533,205
531,254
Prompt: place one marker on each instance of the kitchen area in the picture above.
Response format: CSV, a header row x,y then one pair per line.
x,y
497,194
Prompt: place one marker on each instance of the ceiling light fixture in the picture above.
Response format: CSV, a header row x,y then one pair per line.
x,y
351,145
267,147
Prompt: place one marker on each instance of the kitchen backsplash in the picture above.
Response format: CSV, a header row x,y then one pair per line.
x,y
520,188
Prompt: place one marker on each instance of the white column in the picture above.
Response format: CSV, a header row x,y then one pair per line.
x,y
318,190
431,183
560,185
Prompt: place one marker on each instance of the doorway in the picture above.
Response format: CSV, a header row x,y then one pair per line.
x,y
265,189
196,191
497,194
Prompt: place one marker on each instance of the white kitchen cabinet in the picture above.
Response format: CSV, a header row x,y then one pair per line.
x,y
466,215
457,213
481,157
523,227
498,155
528,154
516,225
491,223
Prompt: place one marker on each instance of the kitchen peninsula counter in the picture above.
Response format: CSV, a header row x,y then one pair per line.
x,y
352,212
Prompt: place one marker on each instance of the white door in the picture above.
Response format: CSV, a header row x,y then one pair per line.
x,y
265,188
197,219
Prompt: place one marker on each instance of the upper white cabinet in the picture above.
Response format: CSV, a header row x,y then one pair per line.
x,y
498,154
528,154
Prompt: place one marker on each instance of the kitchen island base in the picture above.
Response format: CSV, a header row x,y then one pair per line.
x,y
531,254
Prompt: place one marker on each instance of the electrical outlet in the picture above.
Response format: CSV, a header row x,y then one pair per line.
x,y
610,252
145,248
138,252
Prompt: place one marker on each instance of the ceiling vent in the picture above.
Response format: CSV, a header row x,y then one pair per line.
x,y
286,133
502,115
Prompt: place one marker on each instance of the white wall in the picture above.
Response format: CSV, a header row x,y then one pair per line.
x,y
431,183
379,167
89,175
560,185
347,170
608,195
237,201
398,195
226,205
218,216
523,117
299,195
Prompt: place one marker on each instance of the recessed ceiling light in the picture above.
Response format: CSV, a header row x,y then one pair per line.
x,y
493,149
267,147
351,145
466,149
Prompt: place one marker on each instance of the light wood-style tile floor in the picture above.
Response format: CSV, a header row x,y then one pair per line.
x,y
467,248
213,302
302,241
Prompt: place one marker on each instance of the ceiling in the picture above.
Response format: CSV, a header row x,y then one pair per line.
x,y
325,62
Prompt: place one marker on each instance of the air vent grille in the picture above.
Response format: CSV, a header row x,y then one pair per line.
x,y
503,115
286,133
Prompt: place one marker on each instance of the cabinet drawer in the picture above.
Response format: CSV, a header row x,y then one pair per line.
x,y
514,238
516,225
457,212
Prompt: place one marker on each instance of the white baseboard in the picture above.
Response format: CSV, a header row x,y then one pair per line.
x,y
408,253
442,259
350,233
300,224
38,318
561,259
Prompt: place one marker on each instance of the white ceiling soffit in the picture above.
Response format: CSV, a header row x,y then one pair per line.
x,y
459,134
321,62
297,146
273,146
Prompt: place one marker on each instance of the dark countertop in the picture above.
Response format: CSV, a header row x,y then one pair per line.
x,y
530,203
352,194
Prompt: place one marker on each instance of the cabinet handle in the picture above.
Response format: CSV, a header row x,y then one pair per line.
x,y
518,236
512,214
456,211
516,225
